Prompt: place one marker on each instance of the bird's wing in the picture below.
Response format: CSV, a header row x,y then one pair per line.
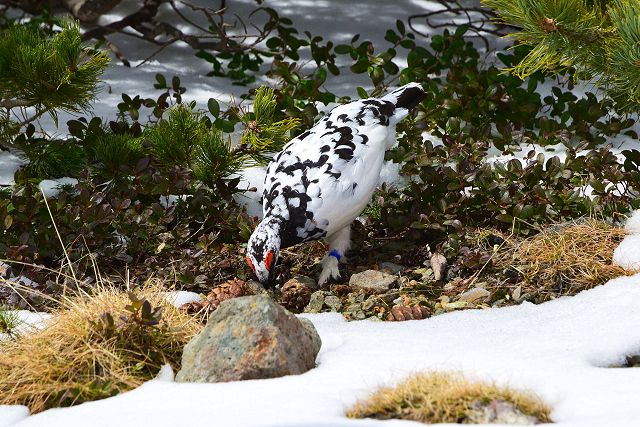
x,y
322,179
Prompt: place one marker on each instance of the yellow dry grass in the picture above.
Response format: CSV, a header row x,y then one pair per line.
x,y
72,360
442,397
565,259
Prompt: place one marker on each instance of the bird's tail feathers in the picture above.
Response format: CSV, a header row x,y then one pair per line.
x,y
405,99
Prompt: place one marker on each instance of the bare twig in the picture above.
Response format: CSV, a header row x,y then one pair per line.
x,y
12,103
150,29
480,20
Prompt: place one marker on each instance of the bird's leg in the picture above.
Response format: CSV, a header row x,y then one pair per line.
x,y
339,243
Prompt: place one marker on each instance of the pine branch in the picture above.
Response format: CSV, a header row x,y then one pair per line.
x,y
262,132
599,39
48,72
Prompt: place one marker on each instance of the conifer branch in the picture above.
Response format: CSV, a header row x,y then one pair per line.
x,y
600,40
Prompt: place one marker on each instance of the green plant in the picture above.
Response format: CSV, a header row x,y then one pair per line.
x,y
9,320
96,346
598,39
46,72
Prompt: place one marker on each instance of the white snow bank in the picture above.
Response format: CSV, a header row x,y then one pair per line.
x,y
627,254
633,223
51,187
178,298
559,349
11,414
9,164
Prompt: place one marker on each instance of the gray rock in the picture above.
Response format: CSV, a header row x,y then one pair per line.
x,y
374,279
249,337
497,412
316,303
316,343
438,265
391,267
333,302
5,270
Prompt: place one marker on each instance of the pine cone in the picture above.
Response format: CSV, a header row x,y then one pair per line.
x,y
295,296
399,313
193,307
232,289
416,256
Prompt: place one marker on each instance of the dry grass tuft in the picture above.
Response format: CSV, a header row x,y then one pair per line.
x,y
443,397
86,354
564,259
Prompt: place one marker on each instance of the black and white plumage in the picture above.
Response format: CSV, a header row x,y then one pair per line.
x,y
323,179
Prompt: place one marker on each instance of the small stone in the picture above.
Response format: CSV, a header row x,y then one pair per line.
x,y
249,338
370,302
373,279
474,295
424,273
517,293
256,287
391,267
438,265
354,312
5,270
333,302
316,302
305,280
497,412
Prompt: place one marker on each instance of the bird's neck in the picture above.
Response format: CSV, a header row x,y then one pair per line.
x,y
272,228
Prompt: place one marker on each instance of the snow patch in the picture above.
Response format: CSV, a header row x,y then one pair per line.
x,y
52,187
27,321
633,223
11,414
165,374
9,164
627,254
178,298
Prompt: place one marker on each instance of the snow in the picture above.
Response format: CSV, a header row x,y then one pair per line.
x,y
178,298
26,322
52,187
9,164
627,254
11,414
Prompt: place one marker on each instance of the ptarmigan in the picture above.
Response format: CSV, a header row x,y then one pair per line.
x,y
323,179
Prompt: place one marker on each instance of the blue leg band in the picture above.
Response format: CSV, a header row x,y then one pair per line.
x,y
335,254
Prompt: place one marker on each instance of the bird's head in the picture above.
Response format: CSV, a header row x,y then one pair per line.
x,y
263,249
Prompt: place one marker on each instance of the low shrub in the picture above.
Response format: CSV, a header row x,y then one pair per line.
x,y
9,320
443,397
563,259
94,347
